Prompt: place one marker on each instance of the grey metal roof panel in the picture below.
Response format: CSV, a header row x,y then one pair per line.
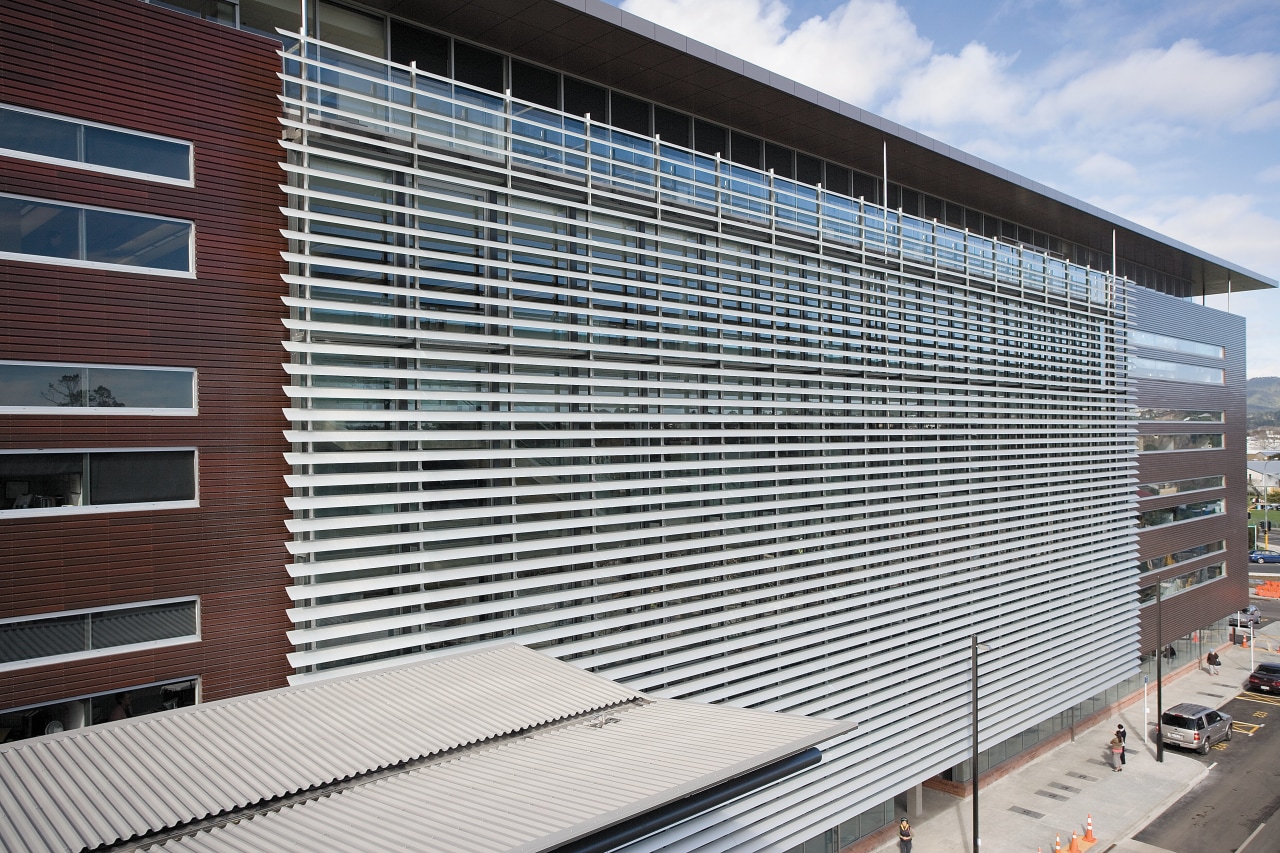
x,y
106,783
557,785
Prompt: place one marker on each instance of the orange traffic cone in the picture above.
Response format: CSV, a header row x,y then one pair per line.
x,y
1088,830
1057,843
1075,843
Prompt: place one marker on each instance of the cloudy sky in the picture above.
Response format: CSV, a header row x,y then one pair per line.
x,y
1166,112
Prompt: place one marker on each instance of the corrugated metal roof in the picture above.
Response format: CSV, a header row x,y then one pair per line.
x,y
533,793
125,780
93,786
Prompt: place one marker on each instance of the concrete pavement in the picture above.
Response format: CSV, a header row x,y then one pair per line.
x,y
1055,793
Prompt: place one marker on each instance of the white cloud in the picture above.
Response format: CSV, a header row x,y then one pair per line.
x,y
1184,83
1270,175
1104,167
971,88
856,53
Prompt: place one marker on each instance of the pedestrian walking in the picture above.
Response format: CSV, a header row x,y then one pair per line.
x,y
1214,662
904,836
1117,753
1124,737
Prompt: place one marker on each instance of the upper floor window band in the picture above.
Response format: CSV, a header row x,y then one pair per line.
x,y
51,232
34,135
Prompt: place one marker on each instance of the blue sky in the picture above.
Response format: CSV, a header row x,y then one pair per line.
x,y
1166,113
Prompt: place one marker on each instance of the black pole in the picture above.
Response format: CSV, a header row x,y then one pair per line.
x,y
1159,678
974,768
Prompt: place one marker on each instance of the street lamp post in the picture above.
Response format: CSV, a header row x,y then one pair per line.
x,y
1159,680
973,679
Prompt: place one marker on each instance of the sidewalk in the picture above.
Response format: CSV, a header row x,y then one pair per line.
x,y
1055,793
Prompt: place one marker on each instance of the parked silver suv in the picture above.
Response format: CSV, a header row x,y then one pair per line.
x,y
1194,726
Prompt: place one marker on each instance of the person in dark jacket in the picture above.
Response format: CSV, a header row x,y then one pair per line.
x,y
1122,735
904,836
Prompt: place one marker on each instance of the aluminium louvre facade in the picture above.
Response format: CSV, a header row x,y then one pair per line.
x,y
709,432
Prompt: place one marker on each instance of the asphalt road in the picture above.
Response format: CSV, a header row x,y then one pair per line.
x,y
1236,807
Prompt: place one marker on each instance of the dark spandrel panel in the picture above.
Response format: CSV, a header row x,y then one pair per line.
x,y
710,138
808,169
895,196
780,159
41,385
746,150
429,50
143,477
39,638
48,137
121,238
534,84
478,67
672,126
117,150
210,10
264,17
839,179
142,389
630,114
582,99
113,628
35,228
932,208
910,202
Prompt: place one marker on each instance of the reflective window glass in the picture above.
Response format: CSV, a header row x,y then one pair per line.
x,y
132,153
29,640
35,481
37,385
137,241
56,138
45,229
38,134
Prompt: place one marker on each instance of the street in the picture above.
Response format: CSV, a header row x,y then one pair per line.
x,y
1238,795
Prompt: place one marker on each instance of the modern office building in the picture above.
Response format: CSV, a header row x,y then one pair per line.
x,y
607,343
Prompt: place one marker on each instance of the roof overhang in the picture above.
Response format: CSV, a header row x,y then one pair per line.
x,y
590,39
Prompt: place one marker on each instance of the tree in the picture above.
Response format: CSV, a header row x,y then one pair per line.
x,y
67,392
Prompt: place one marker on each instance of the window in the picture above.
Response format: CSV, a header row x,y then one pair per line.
x,y
1166,560
1158,443
1164,342
38,640
34,135
96,389
1173,371
1173,487
1170,587
1184,512
50,483
49,232
1180,415
74,713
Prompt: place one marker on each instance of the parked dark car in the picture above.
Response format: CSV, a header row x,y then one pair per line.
x,y
1194,726
1266,678
1248,617
1264,557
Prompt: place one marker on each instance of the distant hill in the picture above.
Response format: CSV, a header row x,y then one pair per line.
x,y
1263,401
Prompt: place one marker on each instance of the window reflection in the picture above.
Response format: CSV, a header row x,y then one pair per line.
x,y
45,229
72,386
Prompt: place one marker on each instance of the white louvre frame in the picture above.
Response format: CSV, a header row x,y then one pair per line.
x,y
712,440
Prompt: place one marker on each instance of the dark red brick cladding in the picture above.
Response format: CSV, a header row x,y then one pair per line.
x,y
129,64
